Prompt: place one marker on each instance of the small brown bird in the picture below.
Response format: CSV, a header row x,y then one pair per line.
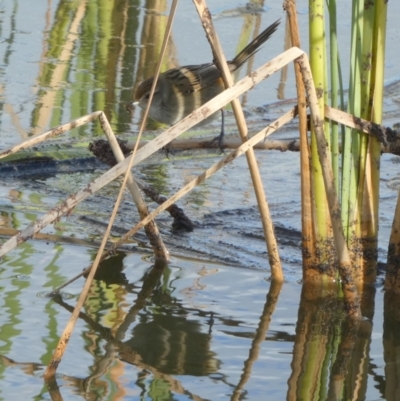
x,y
179,91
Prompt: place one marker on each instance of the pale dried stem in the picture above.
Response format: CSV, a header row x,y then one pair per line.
x,y
209,172
197,181
388,137
351,121
50,134
308,232
160,141
64,339
203,112
200,179
151,229
272,246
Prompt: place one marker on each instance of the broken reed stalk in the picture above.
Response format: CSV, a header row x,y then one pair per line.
x,y
287,44
64,339
282,145
151,229
352,299
230,143
50,134
378,131
210,171
157,143
197,181
272,246
389,138
308,233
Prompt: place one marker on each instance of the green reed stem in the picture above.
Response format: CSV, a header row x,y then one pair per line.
x,y
336,88
377,83
350,141
317,58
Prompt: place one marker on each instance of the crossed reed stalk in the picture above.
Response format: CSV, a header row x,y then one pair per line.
x,y
306,95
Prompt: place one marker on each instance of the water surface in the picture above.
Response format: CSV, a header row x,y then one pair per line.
x,y
200,329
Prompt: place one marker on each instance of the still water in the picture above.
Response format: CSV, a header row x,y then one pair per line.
x,y
199,329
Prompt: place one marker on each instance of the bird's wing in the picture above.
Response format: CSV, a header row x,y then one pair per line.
x,y
191,78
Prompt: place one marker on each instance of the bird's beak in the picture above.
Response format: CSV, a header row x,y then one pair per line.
x,y
131,106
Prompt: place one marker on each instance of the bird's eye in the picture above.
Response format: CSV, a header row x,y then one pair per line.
x,y
147,97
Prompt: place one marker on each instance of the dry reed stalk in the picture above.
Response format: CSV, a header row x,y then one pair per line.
x,y
388,137
50,134
272,246
284,72
151,229
64,339
308,232
66,335
351,121
352,299
197,181
160,141
210,171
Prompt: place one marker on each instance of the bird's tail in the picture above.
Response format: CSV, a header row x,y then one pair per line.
x,y
253,46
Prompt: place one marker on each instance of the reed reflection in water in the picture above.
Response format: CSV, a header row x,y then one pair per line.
x,y
93,53
330,352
